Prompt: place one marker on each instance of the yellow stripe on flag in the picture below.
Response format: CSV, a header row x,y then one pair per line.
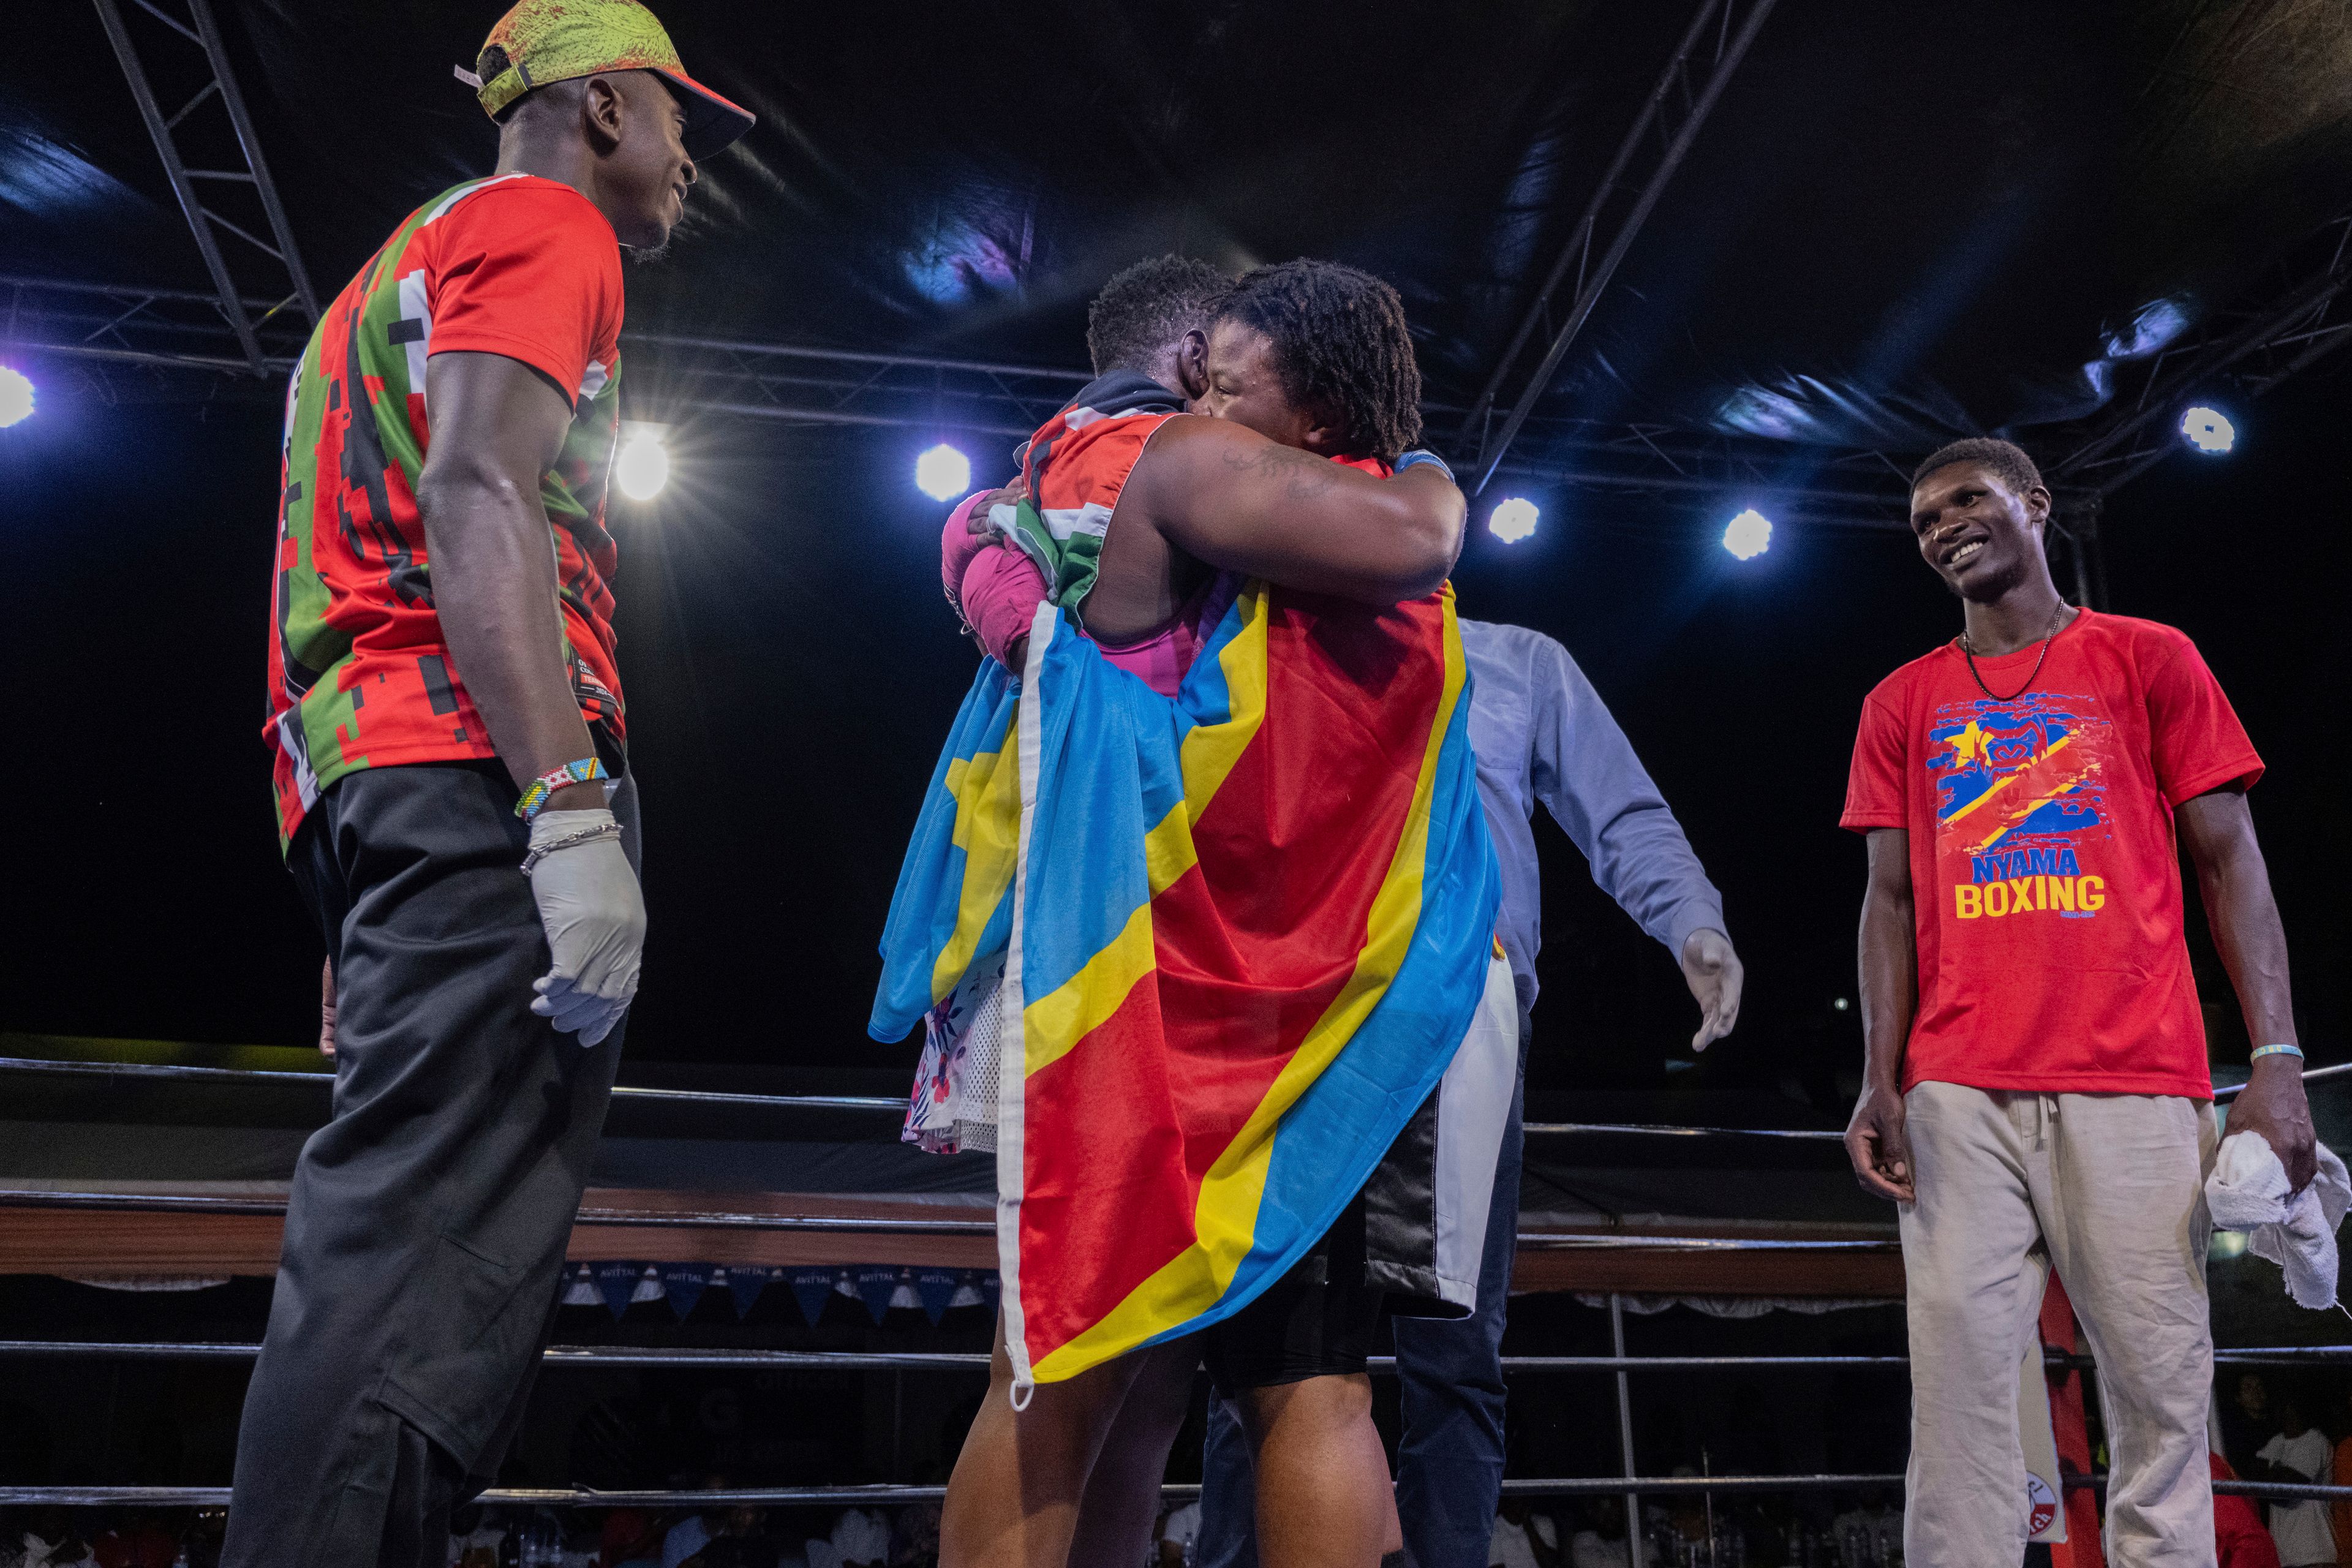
x,y
1225,1219
1168,851
1211,749
1053,1024
986,789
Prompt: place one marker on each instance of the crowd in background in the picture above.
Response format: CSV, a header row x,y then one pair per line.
x,y
2281,1437
2262,1435
729,1537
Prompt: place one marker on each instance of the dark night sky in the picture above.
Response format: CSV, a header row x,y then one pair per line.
x,y
791,669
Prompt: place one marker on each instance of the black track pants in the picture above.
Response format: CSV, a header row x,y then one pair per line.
x,y
425,1232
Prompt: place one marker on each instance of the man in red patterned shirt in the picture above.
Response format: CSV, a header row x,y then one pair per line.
x,y
443,709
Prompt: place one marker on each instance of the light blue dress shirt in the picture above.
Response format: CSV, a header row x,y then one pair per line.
x,y
1542,734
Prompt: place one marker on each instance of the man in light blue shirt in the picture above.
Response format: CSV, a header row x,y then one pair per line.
x,y
1542,734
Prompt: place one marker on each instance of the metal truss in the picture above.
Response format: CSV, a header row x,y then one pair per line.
x,y
1662,133
164,329
232,160
1831,487
803,385
161,329
2299,312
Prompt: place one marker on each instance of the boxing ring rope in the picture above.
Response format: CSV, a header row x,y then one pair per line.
x,y
265,1077
894,1492
724,1219
887,1105
698,1358
1631,1488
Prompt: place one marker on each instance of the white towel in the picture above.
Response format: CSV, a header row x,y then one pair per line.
x,y
2248,1192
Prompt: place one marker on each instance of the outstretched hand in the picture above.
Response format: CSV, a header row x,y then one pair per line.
x,y
1713,973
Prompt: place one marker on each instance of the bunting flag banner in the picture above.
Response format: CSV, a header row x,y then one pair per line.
x,y
935,1287
812,1287
581,1290
746,1283
682,1284
875,1285
1244,930
618,1283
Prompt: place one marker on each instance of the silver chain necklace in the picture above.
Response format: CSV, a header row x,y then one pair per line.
x,y
2057,623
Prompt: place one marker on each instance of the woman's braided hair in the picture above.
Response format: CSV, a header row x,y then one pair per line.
x,y
1341,348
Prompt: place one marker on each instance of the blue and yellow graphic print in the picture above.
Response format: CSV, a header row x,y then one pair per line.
x,y
2021,805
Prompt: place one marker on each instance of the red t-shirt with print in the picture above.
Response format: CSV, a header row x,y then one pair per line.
x,y
2044,874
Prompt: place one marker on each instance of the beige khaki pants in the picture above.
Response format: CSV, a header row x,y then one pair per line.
x,y
2109,1190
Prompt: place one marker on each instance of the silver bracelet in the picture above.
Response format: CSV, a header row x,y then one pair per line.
x,y
570,841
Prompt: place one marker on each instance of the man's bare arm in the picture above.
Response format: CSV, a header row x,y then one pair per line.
x,y
1875,1139
1225,494
2235,884
497,425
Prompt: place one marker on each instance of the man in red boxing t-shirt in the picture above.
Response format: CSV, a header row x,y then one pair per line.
x,y
2036,1092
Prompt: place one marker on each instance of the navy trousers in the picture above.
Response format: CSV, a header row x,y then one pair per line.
x,y
1450,1463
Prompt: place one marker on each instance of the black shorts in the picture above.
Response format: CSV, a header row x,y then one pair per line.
x,y
1317,1320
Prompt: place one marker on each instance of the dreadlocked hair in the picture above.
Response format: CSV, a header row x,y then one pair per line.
x,y
2005,460
1151,304
1341,348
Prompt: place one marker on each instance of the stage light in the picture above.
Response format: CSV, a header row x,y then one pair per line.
x,y
1748,535
643,468
16,396
2208,430
943,473
1512,519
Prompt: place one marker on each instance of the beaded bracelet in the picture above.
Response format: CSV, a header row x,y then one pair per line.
x,y
534,799
2262,1052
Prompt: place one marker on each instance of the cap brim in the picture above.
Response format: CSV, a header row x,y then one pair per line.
x,y
713,123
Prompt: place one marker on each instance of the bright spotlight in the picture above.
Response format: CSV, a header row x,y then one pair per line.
x,y
2208,430
1512,519
943,473
642,467
16,396
1748,535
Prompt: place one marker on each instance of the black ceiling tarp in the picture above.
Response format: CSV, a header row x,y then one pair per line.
x,y
1900,216
1903,220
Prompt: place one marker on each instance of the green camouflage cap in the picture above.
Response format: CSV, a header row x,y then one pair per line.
x,y
543,41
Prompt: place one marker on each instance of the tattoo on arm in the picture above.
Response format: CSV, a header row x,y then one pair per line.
x,y
1304,476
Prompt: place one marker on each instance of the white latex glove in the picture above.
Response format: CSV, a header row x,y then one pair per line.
x,y
595,922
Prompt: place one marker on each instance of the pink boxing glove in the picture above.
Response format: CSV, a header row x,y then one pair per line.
x,y
1001,591
959,543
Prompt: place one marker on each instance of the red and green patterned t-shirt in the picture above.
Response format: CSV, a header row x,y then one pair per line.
x,y
359,674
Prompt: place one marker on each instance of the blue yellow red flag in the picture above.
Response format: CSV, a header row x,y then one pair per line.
x,y
1246,928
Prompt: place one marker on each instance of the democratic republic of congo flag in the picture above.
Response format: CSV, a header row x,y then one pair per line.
x,y
1248,927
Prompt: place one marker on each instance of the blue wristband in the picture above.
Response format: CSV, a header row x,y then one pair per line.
x,y
2262,1052
1424,454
